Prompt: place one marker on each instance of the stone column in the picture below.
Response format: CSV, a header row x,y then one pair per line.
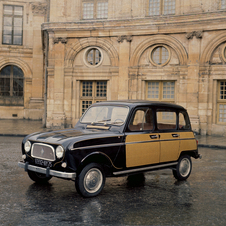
x,y
193,78
58,116
124,53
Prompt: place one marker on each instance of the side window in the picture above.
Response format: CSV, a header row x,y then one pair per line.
x,y
183,121
142,120
166,119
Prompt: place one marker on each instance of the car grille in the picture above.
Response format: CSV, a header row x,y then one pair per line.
x,y
43,151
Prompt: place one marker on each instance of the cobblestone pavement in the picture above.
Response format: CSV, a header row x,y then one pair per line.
x,y
15,127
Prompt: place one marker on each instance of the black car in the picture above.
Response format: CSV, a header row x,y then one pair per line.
x,y
113,138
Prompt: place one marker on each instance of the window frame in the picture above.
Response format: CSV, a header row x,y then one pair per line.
x,y
11,99
86,53
220,5
160,91
220,101
152,51
13,28
161,9
93,98
95,9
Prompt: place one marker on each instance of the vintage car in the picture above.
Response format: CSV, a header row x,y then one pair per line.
x,y
113,138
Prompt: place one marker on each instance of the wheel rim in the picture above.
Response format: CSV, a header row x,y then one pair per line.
x,y
185,167
93,180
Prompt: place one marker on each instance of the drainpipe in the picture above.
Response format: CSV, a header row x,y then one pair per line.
x,y
46,40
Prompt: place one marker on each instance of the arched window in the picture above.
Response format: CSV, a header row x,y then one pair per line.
x,y
11,85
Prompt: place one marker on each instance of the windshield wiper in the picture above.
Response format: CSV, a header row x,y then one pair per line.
x,y
102,121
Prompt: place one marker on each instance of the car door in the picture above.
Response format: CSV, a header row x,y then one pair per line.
x,y
169,136
142,144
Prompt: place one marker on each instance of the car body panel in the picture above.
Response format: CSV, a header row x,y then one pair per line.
x,y
169,146
141,149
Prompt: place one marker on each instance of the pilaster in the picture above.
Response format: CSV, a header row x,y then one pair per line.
x,y
57,118
124,53
194,39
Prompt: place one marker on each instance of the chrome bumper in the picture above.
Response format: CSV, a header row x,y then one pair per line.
x,y
47,171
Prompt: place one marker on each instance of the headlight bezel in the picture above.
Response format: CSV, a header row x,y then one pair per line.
x,y
27,146
60,152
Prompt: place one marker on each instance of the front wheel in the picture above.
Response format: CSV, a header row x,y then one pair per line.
x,y
183,168
90,181
38,177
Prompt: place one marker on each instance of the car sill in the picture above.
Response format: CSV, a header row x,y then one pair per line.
x,y
144,168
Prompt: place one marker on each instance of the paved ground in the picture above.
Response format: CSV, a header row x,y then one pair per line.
x,y
156,199
15,127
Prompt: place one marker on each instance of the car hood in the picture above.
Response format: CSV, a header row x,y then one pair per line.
x,y
70,135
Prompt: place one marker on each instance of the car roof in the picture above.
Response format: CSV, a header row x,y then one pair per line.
x,y
134,103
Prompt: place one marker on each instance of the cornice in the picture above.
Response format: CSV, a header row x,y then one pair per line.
x,y
11,50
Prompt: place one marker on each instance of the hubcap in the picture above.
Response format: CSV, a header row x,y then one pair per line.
x,y
185,167
93,180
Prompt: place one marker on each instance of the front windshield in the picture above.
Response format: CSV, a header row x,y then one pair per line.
x,y
114,115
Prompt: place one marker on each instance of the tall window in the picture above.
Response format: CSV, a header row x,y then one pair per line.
x,y
160,91
161,7
12,25
92,92
11,86
95,9
223,4
221,102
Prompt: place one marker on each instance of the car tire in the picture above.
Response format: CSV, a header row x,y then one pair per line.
x,y
90,181
38,177
183,168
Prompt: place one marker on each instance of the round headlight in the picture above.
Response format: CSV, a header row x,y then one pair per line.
x,y
27,146
59,152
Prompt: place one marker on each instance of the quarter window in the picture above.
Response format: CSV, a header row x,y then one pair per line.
x,y
95,9
12,25
160,91
11,86
161,7
92,92
221,102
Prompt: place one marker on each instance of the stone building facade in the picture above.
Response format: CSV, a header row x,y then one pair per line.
x,y
82,51
21,59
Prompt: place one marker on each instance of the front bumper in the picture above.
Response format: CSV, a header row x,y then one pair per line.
x,y
47,171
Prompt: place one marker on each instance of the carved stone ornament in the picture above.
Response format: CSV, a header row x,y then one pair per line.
x,y
128,38
197,34
39,9
60,39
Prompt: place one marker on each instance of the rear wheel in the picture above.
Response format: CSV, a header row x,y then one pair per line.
x,y
183,168
90,180
38,177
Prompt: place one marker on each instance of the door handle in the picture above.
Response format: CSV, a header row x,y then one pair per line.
x,y
153,136
175,135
